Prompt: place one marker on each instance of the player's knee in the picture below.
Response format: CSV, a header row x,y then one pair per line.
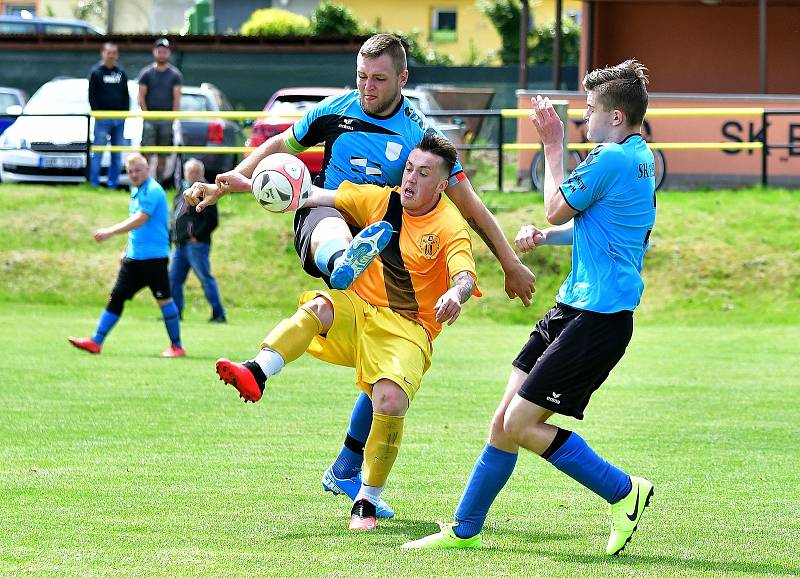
x,y
388,398
323,309
514,425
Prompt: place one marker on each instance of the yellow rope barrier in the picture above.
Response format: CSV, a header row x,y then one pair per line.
x,y
652,112
171,114
688,146
183,149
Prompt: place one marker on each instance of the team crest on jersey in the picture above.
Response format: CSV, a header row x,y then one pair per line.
x,y
429,245
393,150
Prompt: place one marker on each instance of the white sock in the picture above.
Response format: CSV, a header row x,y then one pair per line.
x,y
370,493
270,362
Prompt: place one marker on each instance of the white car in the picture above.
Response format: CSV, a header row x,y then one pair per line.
x,y
52,148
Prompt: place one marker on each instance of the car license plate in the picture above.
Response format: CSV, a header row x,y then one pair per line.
x,y
62,162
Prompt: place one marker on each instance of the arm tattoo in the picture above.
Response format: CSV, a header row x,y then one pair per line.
x,y
482,234
464,284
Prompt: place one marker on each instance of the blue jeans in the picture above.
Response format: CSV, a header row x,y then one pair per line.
x,y
105,130
194,256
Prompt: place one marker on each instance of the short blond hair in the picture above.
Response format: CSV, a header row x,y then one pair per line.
x,y
194,163
134,159
381,44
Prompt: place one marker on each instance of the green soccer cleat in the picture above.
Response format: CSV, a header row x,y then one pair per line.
x,y
626,513
445,538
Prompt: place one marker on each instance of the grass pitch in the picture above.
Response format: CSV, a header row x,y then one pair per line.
x,y
128,464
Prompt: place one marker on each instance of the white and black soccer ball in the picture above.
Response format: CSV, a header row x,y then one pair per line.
x,y
281,183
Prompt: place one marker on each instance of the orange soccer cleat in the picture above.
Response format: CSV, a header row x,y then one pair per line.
x,y
174,351
85,343
362,516
242,377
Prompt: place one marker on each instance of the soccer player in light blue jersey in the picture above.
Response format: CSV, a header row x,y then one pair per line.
x,y
605,209
368,134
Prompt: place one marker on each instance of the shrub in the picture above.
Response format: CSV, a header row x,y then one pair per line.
x,y
330,18
275,22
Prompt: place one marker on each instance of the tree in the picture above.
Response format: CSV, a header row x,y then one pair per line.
x,y
506,16
541,47
330,18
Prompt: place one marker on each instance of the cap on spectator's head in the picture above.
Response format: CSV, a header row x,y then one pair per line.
x,y
161,42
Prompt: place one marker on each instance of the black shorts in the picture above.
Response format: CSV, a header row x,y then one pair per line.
x,y
570,354
157,133
135,274
305,221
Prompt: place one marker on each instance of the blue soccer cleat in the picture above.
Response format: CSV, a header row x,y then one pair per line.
x,y
363,249
350,488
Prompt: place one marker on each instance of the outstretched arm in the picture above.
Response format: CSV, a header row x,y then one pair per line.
x,y
201,195
519,280
530,237
448,307
135,221
238,179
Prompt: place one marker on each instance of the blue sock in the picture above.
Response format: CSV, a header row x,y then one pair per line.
x,y
581,463
326,252
351,456
172,322
490,474
104,325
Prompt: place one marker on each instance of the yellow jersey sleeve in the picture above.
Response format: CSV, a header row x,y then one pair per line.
x,y
360,203
459,257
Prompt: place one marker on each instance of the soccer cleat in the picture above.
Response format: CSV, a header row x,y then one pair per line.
x,y
85,343
626,513
241,377
362,516
363,249
174,351
218,319
350,487
444,539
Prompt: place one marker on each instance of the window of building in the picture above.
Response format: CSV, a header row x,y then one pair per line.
x,y
443,27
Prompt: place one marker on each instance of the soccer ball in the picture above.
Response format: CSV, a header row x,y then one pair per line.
x,y
281,183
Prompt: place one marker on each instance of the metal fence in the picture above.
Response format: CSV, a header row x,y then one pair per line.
x,y
497,144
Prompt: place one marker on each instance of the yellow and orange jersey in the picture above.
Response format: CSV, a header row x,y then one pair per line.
x,y
417,266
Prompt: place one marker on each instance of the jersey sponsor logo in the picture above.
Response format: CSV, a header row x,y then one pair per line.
x,y
647,170
414,116
369,167
393,150
114,78
554,398
347,124
429,245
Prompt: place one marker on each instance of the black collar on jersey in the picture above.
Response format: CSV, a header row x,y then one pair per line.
x,y
391,114
630,136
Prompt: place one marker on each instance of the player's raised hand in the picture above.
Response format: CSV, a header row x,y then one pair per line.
x,y
528,238
520,282
200,195
232,182
546,121
448,307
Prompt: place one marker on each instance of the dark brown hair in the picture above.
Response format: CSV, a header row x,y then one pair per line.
x,y
441,147
621,87
381,44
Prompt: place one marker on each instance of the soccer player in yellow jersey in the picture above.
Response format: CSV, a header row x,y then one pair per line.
x,y
383,325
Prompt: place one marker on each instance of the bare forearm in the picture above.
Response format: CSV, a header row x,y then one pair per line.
x,y
560,235
133,222
553,174
272,145
464,285
319,197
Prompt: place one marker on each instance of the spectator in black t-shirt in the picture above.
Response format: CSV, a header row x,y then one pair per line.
x,y
108,90
159,89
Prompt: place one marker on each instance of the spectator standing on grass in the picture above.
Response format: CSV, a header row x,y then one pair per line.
x,y
191,235
108,90
159,89
144,261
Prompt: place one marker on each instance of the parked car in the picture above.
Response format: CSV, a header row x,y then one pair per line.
x,y
11,102
52,148
288,104
41,25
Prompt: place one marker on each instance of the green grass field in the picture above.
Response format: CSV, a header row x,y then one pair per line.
x,y
129,464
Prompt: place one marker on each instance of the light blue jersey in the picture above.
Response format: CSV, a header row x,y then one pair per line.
x,y
359,147
613,190
151,240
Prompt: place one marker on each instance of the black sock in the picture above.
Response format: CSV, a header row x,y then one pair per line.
x,y
258,373
333,258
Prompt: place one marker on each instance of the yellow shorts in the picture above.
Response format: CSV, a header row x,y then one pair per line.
x,y
376,341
